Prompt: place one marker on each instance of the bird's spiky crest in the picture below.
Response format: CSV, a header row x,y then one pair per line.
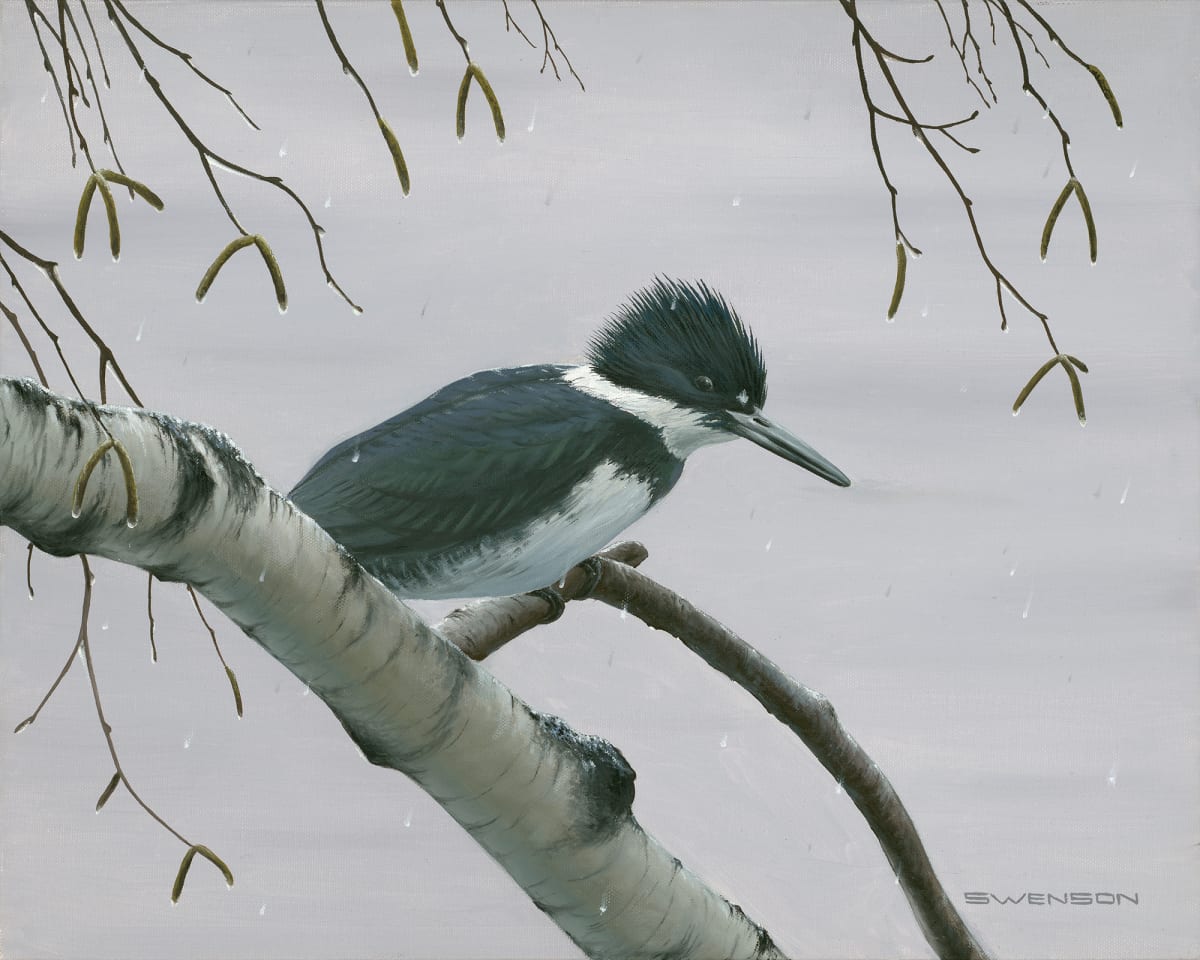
x,y
673,325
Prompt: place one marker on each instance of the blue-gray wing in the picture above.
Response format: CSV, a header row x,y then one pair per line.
x,y
477,459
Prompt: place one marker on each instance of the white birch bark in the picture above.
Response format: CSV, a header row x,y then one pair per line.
x,y
550,805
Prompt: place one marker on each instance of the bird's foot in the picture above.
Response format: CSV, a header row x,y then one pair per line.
x,y
595,570
553,599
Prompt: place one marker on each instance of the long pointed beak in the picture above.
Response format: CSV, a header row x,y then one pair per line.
x,y
771,436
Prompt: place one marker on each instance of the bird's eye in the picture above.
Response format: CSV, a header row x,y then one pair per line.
x,y
704,383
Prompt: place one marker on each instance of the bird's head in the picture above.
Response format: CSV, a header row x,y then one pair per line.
x,y
682,342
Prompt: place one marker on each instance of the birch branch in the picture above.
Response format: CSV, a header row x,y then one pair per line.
x,y
552,806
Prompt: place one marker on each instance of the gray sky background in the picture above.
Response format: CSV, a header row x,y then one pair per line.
x,y
1003,610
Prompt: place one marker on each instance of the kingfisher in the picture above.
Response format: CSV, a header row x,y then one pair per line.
x,y
501,482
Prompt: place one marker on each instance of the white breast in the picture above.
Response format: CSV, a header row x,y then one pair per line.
x,y
590,517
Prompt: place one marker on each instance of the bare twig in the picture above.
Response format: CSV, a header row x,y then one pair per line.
x,y
16,325
458,37
49,269
229,674
185,58
510,22
95,42
34,12
150,615
961,52
548,40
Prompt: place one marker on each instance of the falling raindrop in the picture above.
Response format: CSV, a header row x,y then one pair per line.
x,y
141,327
262,911
1013,571
283,150
604,903
1125,493
104,626
187,742
532,120
925,310
1112,774
262,575
1028,604
328,202
1133,169
408,819
724,740
355,456
737,201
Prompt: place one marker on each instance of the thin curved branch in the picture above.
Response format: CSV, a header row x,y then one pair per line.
x,y
483,627
95,42
186,59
